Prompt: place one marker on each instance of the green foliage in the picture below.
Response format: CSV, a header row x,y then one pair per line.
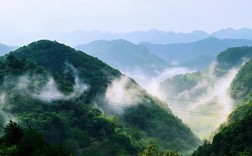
x,y
82,125
232,140
240,112
232,57
152,150
162,126
75,122
68,121
13,133
54,56
19,141
242,84
180,83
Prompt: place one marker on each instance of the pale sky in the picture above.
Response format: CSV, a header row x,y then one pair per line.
x,y
123,15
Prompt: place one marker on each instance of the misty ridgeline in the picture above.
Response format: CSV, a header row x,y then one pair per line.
x,y
68,96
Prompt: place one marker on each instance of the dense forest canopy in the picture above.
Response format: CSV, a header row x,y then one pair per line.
x,y
64,95
65,99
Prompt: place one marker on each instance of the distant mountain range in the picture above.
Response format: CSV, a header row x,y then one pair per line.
x,y
125,56
152,36
197,54
151,59
230,33
5,49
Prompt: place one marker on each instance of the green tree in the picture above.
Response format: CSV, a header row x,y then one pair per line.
x,y
13,133
152,150
27,142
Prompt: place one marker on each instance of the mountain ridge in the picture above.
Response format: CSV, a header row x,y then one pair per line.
x,y
186,52
232,137
160,127
124,55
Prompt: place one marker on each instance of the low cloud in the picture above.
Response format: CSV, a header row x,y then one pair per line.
x,y
37,86
46,89
122,93
206,105
151,82
203,107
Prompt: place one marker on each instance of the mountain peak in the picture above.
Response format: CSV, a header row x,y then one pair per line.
x,y
45,44
243,33
99,77
208,40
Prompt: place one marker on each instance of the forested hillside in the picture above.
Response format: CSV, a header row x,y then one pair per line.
x,y
225,84
69,97
234,137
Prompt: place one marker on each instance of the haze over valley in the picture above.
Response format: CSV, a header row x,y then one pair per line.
x,y
115,78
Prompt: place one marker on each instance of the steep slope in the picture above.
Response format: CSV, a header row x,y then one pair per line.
x,y
214,91
234,137
124,56
30,96
242,85
179,83
62,100
184,53
232,57
232,140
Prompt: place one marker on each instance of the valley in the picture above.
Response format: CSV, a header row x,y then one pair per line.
x,y
125,78
203,96
69,96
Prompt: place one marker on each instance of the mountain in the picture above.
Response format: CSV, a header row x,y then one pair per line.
x,y
212,91
125,56
230,33
152,36
204,51
18,140
233,137
177,84
75,99
83,37
231,58
5,49
241,87
161,37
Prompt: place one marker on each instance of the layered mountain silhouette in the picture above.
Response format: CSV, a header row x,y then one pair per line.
x,y
73,98
197,54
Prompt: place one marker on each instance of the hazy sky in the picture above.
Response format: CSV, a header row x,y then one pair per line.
x,y
123,15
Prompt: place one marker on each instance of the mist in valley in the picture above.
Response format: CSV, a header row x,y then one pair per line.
x,y
203,107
